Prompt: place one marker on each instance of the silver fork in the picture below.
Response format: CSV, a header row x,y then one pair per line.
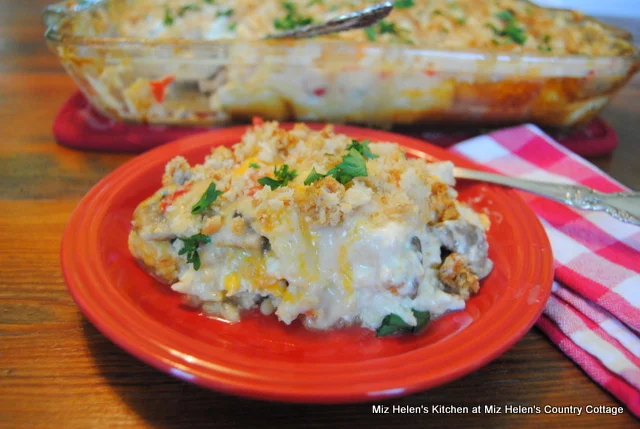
x,y
624,206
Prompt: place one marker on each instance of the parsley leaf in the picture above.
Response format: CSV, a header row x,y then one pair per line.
x,y
505,15
510,30
312,2
209,1
187,8
293,19
515,33
190,247
403,4
283,177
232,26
387,27
209,196
168,17
392,324
227,12
545,46
314,176
363,148
371,33
353,165
254,165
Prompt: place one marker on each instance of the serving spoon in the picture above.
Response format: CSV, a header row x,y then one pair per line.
x,y
624,206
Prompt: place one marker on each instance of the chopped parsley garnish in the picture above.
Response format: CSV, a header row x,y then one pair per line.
x,y
190,247
458,17
232,26
385,27
187,8
227,12
505,15
209,1
209,196
403,4
545,46
254,165
314,176
510,30
371,33
282,177
292,20
392,324
353,164
363,148
312,2
168,17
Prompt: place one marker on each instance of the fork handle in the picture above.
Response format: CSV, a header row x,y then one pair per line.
x,y
624,206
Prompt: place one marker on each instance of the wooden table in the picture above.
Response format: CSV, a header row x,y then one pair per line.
x,y
58,371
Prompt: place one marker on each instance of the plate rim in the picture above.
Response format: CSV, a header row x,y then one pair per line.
x,y
178,367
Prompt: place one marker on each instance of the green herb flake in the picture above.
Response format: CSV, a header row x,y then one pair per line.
x,y
545,45
209,1
363,148
168,17
353,165
190,248
209,196
515,33
462,20
227,12
403,4
385,27
187,8
393,324
312,2
293,19
505,15
437,12
232,26
510,30
314,176
371,33
282,177
254,165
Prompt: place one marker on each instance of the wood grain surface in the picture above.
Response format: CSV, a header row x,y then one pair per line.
x,y
58,371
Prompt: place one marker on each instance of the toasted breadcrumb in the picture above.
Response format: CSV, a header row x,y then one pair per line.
x,y
457,277
176,172
238,225
212,225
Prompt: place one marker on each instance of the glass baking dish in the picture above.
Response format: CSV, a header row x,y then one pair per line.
x,y
180,81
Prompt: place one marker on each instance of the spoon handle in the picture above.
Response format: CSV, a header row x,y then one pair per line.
x,y
350,21
624,206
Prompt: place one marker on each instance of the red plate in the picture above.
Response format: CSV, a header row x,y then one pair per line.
x,y
263,358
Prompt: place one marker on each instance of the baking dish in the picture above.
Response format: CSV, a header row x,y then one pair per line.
x,y
182,81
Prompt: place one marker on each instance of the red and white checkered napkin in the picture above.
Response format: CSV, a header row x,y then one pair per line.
x,y
593,314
